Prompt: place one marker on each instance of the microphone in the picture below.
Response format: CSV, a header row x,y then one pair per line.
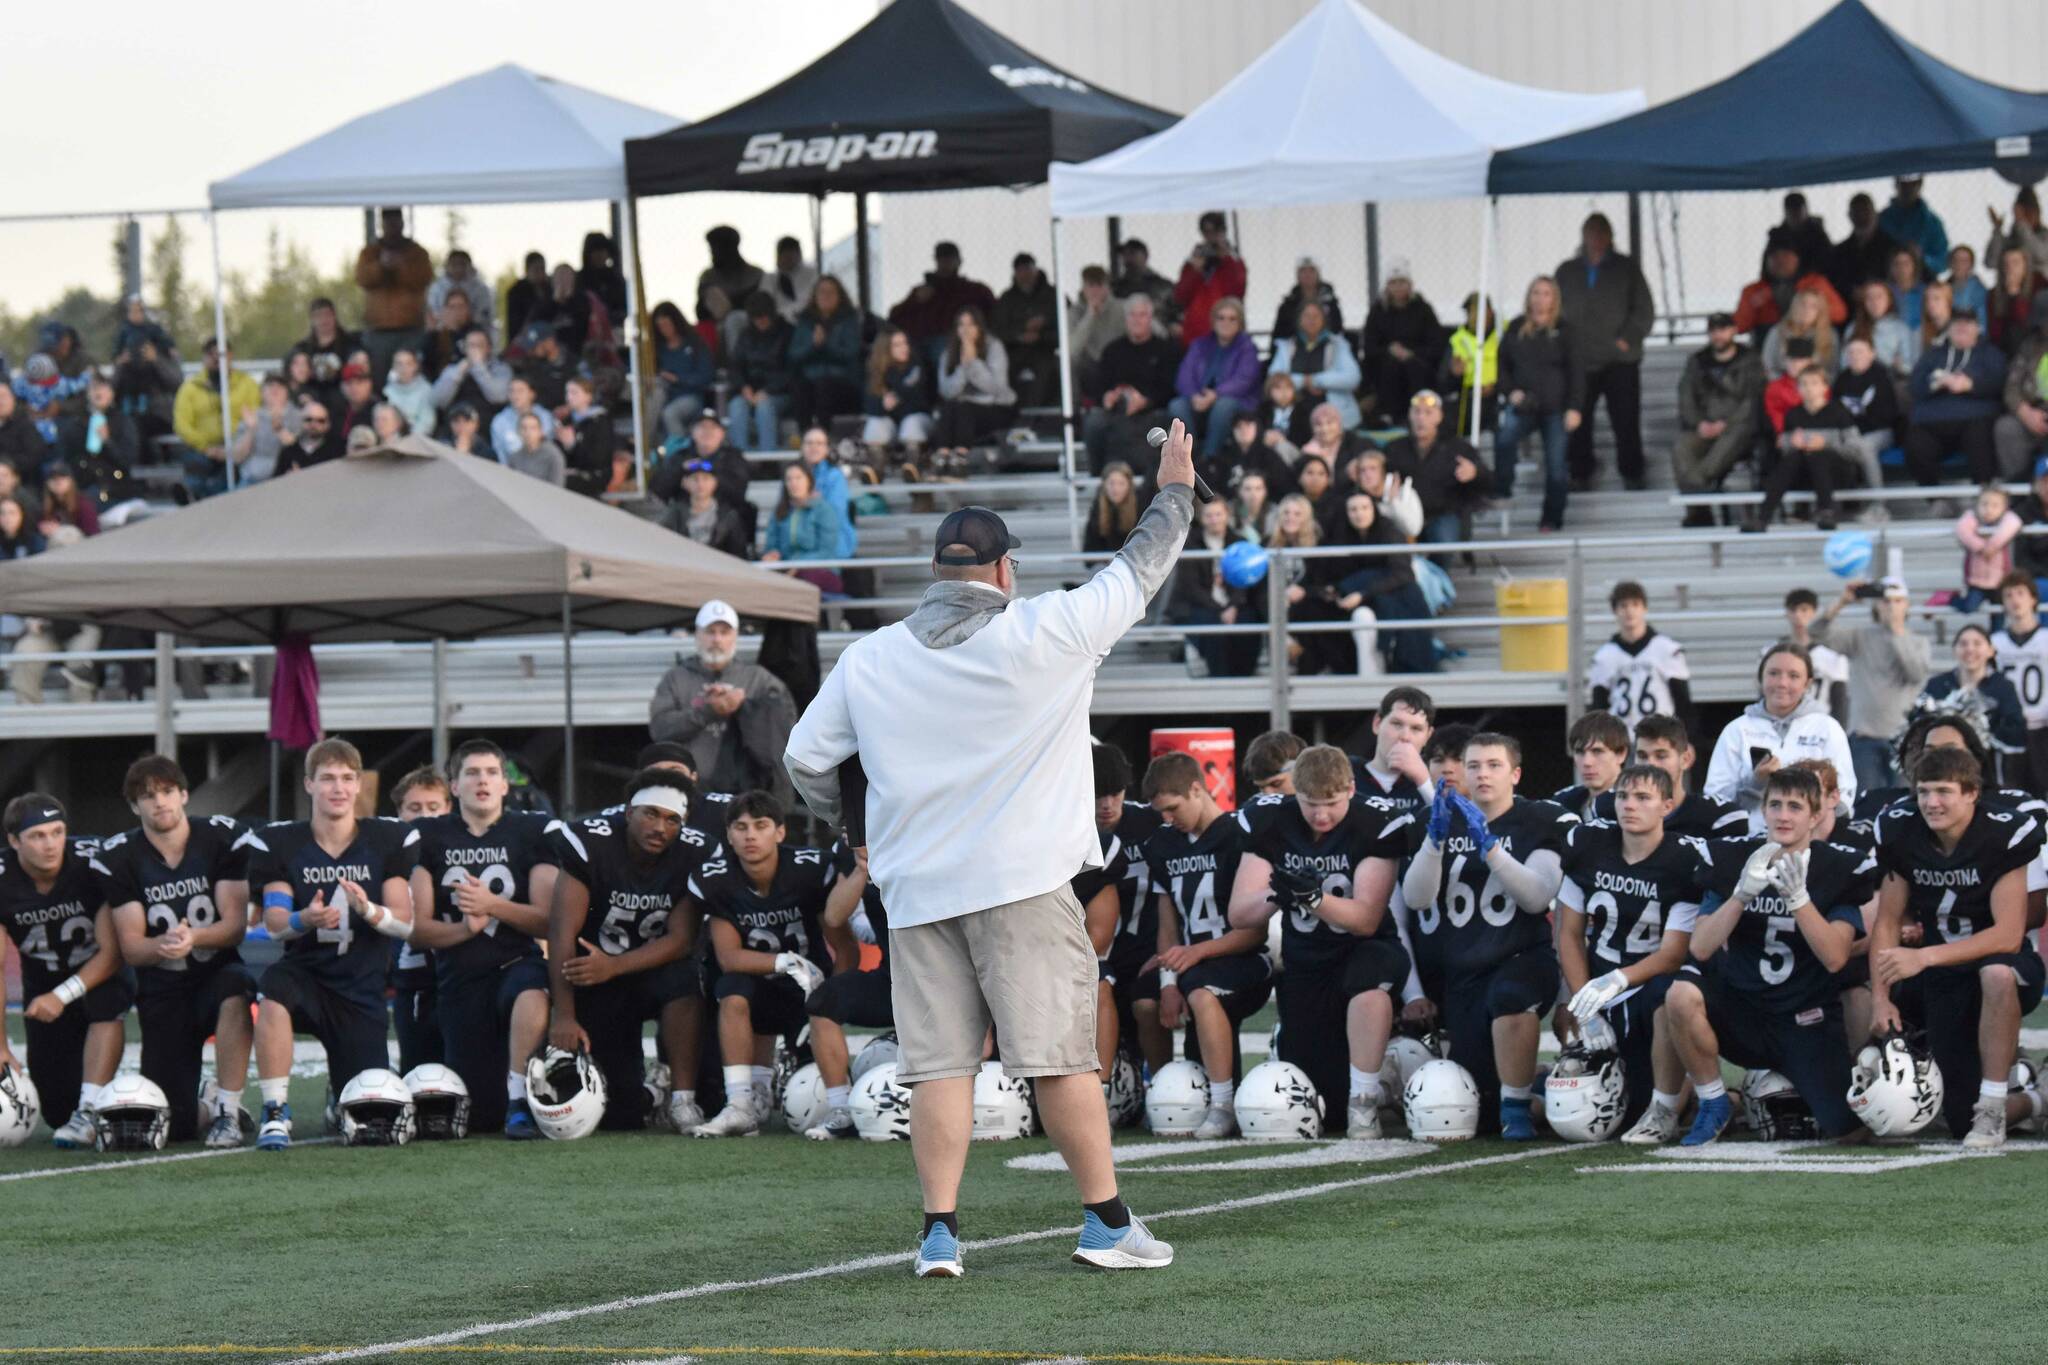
x,y
1157,438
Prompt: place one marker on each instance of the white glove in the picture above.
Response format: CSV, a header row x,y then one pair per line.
x,y
1789,876
1597,1034
801,970
1596,995
1756,873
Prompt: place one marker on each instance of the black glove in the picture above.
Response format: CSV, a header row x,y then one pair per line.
x,y
1295,891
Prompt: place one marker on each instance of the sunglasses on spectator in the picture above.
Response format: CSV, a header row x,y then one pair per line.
x,y
313,421
699,467
1425,400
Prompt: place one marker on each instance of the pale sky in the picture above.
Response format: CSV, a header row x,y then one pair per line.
x,y
136,104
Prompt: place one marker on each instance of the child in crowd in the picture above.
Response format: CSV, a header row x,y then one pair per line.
x,y
1986,534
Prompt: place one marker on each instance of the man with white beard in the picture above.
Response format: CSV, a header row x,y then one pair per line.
x,y
734,717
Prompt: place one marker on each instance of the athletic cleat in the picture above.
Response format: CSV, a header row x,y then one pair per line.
x,y
1516,1123
1108,1248
1364,1118
519,1124
837,1123
276,1132
1218,1123
938,1255
684,1115
1656,1127
225,1132
77,1134
1711,1121
737,1119
1987,1125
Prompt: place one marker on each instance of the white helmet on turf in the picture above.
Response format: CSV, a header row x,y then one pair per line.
x,y
1405,1056
440,1101
1776,1111
1585,1095
803,1098
20,1106
881,1108
565,1091
1126,1093
1178,1099
133,1116
377,1110
2024,1079
879,1050
1441,1102
1002,1105
659,1083
1276,1102
1895,1087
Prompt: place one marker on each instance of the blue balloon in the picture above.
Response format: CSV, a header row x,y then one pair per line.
x,y
1847,554
1244,564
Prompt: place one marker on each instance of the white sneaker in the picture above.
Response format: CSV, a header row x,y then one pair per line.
x,y
224,1132
737,1119
1218,1123
1364,1120
1133,1248
1656,1127
837,1123
684,1115
77,1134
1987,1125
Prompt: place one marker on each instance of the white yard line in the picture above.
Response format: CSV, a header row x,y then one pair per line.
x,y
876,1262
99,1167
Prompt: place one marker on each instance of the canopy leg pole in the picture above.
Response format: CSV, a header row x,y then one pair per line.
x,y
220,332
630,248
818,233
166,696
276,780
1372,252
1478,363
568,706
860,249
1066,362
440,703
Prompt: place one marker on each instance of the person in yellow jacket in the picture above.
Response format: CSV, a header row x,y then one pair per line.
x,y
1458,364
195,416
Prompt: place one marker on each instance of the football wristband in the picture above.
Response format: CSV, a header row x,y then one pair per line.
x,y
277,900
294,923
69,989
1168,977
389,924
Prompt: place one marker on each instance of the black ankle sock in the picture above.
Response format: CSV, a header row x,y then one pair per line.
x,y
1112,1212
949,1218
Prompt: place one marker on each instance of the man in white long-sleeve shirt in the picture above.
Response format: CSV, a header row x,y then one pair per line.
x,y
970,721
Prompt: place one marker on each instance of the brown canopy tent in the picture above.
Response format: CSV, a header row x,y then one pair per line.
x,y
407,541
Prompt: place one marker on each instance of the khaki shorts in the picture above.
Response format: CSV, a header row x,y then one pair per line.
x,y
1026,967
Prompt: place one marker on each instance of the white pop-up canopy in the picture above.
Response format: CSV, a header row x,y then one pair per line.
x,y
1345,108
503,136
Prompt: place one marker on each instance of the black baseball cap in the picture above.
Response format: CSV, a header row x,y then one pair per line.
x,y
1716,321
981,531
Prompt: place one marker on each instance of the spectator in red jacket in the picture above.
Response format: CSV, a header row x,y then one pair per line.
x,y
928,311
1781,395
1213,272
1764,301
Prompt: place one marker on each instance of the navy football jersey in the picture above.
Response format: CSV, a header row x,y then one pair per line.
x,y
1277,831
1699,816
630,901
351,956
1949,894
1629,907
1196,871
1870,804
503,858
1477,924
1115,871
53,930
1576,799
783,919
1137,928
217,849
1767,957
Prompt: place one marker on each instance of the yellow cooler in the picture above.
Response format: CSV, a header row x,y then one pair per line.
x,y
1533,649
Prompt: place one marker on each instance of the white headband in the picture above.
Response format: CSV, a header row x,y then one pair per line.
x,y
670,799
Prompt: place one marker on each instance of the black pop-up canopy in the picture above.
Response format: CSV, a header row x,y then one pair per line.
x,y
925,97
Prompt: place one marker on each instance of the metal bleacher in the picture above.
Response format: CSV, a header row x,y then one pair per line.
x,y
1717,591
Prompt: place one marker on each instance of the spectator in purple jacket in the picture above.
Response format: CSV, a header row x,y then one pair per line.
x,y
1219,377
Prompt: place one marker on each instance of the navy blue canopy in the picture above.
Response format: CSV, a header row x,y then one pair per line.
x,y
1847,99
923,97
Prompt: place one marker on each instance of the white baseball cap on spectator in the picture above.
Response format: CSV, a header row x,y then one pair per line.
x,y
714,612
1895,587
1397,269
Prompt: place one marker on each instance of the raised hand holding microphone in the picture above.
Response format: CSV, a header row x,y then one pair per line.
x,y
1177,459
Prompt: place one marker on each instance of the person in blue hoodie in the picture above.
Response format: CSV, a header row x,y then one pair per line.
x,y
806,526
1957,390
